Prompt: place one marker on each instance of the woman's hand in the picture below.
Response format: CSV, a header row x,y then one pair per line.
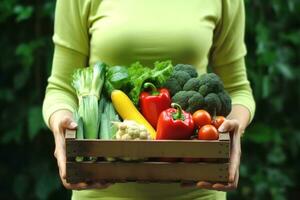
x,y
59,122
233,127
235,130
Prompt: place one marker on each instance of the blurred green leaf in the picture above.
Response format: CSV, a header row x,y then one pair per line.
x,y
35,121
25,51
6,95
277,103
23,12
260,133
276,156
276,177
6,9
266,86
12,135
21,79
48,9
293,143
292,37
285,70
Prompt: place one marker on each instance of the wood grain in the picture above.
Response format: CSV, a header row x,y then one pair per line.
x,y
155,171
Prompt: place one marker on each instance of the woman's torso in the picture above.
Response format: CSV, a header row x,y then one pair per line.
x,y
126,31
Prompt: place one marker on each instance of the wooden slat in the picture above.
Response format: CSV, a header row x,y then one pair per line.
x,y
144,148
147,171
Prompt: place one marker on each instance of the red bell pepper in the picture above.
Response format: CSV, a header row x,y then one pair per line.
x,y
175,124
152,103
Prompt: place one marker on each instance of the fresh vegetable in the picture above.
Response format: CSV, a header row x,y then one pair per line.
x,y
218,121
208,132
130,130
175,124
137,75
189,100
117,77
88,83
153,102
128,111
108,114
217,100
211,95
201,118
181,74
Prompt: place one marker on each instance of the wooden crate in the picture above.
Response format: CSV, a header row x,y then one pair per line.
x,y
215,153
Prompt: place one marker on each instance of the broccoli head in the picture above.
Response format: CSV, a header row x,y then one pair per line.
x,y
213,104
226,103
176,82
192,84
204,92
190,101
210,83
172,85
181,76
195,103
190,69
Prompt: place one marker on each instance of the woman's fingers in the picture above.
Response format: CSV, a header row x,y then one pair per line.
x,y
228,126
235,154
85,185
67,123
60,151
204,185
229,186
59,122
234,159
233,127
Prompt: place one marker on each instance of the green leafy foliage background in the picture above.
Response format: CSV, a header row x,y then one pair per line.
x,y
271,145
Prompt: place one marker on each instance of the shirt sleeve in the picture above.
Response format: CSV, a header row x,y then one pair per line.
x,y
71,49
228,52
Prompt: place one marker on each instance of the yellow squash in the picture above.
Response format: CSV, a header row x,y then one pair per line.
x,y
127,110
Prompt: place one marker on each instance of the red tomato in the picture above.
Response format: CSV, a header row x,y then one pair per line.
x,y
208,132
201,118
217,121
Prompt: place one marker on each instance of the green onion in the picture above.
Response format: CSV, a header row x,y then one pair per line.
x,y
79,132
88,83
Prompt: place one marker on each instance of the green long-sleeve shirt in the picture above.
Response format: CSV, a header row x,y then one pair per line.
x,y
119,32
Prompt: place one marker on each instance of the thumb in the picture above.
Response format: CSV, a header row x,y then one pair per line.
x,y
68,123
